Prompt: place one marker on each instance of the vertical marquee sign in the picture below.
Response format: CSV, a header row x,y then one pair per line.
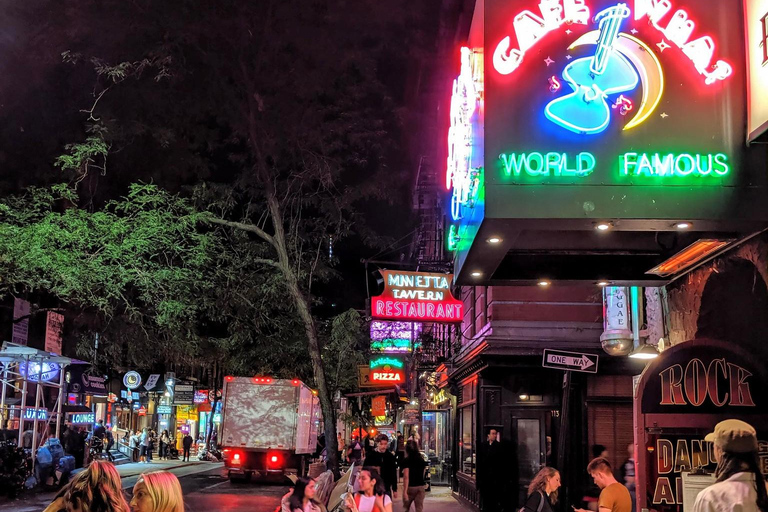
x,y
582,96
417,296
680,397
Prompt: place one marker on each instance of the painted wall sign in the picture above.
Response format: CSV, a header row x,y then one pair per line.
x,y
132,380
756,26
417,296
82,418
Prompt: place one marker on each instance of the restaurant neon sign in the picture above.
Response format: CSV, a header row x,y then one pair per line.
x,y
416,296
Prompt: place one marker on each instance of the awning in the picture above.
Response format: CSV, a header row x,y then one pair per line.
x,y
383,391
76,408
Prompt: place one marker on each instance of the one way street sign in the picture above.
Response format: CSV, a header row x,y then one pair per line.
x,y
570,361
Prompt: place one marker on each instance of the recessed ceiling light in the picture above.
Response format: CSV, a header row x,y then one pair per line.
x,y
476,274
683,225
494,240
603,226
544,282
603,283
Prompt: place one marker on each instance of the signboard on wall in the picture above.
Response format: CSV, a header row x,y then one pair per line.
x,y
183,394
394,337
379,406
756,26
82,418
656,108
680,397
21,310
417,296
54,326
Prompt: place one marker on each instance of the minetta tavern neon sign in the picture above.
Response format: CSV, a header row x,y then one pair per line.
x,y
417,296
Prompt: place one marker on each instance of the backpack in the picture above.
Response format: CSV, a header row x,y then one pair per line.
x,y
44,457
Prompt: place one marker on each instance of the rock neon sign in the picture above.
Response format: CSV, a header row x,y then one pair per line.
x,y
417,296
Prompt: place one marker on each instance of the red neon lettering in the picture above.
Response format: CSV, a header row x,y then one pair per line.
x,y
671,385
740,394
712,378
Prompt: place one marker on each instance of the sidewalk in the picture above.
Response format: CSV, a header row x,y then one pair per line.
x,y
439,499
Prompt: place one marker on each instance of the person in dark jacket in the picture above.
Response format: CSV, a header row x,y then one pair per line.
x,y
384,459
542,493
186,443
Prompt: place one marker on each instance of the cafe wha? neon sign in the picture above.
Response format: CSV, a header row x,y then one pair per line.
x,y
417,296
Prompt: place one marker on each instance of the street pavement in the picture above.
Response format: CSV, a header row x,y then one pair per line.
x,y
205,490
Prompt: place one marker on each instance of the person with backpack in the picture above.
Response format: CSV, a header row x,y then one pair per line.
x,y
542,493
414,467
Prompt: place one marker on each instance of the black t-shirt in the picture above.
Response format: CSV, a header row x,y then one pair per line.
x,y
415,467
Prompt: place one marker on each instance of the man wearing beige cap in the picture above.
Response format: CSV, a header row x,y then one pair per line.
x,y
740,486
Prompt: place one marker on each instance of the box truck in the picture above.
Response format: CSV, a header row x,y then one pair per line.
x,y
268,427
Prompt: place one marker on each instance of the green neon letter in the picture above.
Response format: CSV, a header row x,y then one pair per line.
x,y
513,163
721,164
684,164
586,163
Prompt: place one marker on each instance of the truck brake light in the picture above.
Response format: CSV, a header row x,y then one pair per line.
x,y
274,460
262,380
236,459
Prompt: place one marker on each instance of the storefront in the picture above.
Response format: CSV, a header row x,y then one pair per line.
x,y
680,397
437,436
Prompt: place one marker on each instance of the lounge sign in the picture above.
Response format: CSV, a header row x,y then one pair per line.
x,y
417,296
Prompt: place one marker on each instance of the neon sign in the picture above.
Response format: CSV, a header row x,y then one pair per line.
x,y
82,417
416,296
530,29
39,371
669,165
460,177
386,362
593,79
683,164
394,337
392,345
548,164
679,30
453,237
35,414
387,370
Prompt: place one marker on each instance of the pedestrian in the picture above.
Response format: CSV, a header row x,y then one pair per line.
x,y
186,443
372,496
491,472
302,497
339,447
354,451
165,440
134,446
400,451
143,445
739,482
110,444
592,493
384,460
627,473
95,489
99,431
151,445
542,492
414,467
157,491
614,497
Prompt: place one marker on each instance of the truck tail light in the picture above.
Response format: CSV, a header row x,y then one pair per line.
x,y
237,458
295,382
229,378
262,380
274,460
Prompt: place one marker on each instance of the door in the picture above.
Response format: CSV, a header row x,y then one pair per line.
x,y
436,444
529,444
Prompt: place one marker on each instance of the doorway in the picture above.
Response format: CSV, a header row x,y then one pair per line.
x,y
436,444
529,441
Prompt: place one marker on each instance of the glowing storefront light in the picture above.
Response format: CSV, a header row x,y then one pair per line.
x,y
548,164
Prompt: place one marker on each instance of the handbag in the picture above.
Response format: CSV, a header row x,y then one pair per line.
x,y
541,503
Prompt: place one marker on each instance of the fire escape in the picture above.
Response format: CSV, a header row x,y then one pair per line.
x,y
430,254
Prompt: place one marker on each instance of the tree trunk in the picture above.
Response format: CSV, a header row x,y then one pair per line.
x,y
315,354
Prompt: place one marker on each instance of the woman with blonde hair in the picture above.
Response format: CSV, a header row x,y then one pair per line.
x,y
542,493
95,489
158,491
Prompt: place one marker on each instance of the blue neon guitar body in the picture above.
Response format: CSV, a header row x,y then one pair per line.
x,y
586,109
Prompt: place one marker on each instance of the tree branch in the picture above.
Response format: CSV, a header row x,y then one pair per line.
x,y
244,227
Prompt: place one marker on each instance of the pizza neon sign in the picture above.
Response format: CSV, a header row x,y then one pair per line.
x,y
417,296
387,370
